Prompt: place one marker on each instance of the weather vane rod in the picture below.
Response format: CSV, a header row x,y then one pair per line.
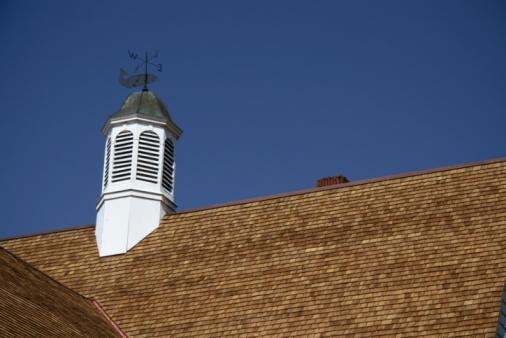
x,y
140,79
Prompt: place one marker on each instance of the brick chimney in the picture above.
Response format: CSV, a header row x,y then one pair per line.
x,y
333,180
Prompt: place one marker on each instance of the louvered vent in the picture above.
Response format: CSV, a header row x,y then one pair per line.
x,y
123,148
107,159
147,161
168,166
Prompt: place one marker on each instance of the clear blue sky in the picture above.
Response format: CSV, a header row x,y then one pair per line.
x,y
271,95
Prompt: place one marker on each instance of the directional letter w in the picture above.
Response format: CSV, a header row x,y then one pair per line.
x,y
132,55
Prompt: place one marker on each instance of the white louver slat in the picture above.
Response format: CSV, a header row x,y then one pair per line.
x,y
122,165
168,166
107,160
147,160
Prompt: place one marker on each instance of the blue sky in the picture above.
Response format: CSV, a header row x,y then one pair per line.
x,y
271,95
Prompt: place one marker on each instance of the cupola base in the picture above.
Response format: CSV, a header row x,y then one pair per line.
x,y
123,222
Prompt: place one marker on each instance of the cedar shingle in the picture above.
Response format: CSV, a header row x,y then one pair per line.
x,y
418,254
34,305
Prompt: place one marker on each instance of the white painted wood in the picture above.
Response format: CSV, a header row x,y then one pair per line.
x,y
129,210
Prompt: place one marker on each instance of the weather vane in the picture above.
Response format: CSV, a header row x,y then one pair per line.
x,y
140,79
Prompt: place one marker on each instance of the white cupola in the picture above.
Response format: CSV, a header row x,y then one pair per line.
x,y
139,167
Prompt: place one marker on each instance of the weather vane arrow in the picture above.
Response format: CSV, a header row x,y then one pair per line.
x,y
140,79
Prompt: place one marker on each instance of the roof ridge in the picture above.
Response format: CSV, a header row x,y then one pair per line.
x,y
92,301
86,226
43,273
288,194
108,318
344,185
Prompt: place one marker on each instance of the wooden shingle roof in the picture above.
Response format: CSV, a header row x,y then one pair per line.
x,y
34,305
413,255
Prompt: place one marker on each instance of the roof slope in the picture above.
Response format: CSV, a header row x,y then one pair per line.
x,y
143,102
34,305
411,256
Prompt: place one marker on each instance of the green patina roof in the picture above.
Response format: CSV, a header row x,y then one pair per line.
x,y
143,103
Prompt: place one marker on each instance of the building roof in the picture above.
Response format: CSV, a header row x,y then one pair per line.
x,y
143,102
419,254
33,304
141,106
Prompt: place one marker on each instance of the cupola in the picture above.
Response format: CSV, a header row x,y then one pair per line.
x,y
139,168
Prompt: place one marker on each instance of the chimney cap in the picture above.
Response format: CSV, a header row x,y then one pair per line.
x,y
331,180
